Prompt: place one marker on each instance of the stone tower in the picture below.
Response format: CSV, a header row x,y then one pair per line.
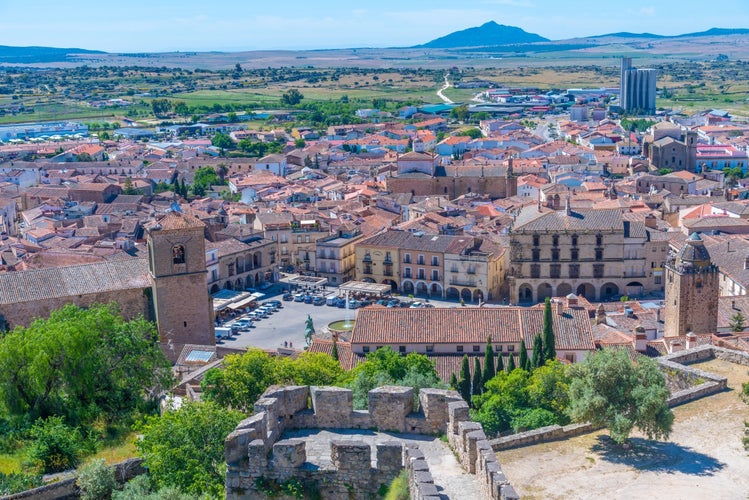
x,y
691,291
176,263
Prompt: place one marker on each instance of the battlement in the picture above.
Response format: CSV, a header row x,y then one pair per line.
x,y
258,458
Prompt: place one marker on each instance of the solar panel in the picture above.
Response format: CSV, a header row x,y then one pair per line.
x,y
196,355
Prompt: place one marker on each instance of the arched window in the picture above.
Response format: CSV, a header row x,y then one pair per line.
x,y
178,254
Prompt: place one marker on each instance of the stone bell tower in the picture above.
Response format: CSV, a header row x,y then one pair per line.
x,y
692,289
176,263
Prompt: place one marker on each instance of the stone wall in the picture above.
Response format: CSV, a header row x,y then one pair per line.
x,y
706,383
474,452
541,435
258,459
66,488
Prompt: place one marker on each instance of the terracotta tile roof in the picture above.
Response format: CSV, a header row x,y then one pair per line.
x,y
346,357
379,326
175,220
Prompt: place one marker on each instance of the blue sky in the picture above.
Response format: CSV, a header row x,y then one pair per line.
x,y
190,25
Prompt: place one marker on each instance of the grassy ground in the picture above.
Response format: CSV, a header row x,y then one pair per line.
x,y
10,463
117,452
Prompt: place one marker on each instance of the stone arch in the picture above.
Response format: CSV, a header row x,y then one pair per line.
x,y
257,259
452,293
563,289
478,296
544,290
634,288
586,290
228,286
609,291
421,288
250,282
435,289
214,288
466,295
407,286
238,285
525,293
368,280
393,284
239,264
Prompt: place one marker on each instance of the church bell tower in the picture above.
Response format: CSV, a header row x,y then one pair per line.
x,y
176,263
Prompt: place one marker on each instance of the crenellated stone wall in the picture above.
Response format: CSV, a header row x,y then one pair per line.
x,y
258,460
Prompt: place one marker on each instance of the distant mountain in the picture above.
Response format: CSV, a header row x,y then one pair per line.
x,y
487,34
717,32
31,55
710,32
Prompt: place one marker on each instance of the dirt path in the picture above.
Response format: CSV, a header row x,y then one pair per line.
x,y
446,86
703,459
451,480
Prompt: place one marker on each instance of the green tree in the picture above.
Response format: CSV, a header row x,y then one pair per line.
x,y
309,368
454,382
489,371
511,364
609,390
473,133
128,187
222,141
459,113
538,352
464,384
55,446
140,488
737,322
477,386
181,108
550,352
291,97
161,107
184,448
82,364
500,363
523,360
299,143
242,380
334,351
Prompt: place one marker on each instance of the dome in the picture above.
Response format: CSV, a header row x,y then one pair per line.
x,y
694,251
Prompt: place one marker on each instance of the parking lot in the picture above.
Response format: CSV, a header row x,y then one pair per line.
x,y
288,323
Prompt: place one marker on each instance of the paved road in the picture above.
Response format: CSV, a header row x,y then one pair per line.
x,y
288,323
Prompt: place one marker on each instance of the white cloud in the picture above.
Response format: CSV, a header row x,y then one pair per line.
x,y
647,11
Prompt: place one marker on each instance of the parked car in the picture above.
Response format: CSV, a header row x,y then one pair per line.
x,y
299,297
308,299
288,296
318,301
241,323
275,303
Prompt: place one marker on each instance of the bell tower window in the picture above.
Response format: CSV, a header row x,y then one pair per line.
x,y
178,254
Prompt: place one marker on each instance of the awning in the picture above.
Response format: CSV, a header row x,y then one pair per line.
x,y
242,303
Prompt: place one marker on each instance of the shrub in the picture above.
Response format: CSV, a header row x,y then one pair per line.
x,y
18,482
56,446
96,480
398,489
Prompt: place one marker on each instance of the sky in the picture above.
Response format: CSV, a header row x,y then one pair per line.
x,y
228,25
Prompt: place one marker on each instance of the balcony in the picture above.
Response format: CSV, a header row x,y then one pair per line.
x,y
462,282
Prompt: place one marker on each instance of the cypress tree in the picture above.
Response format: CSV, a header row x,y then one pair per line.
x,y
511,364
538,351
523,359
478,381
500,363
183,188
453,382
550,351
489,372
334,353
464,386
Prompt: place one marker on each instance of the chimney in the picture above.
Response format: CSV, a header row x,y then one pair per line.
x,y
560,307
571,300
676,346
691,340
658,315
650,221
640,339
600,315
567,208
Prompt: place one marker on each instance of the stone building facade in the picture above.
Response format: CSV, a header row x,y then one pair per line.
x,y
336,256
239,264
432,265
692,290
597,254
177,267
